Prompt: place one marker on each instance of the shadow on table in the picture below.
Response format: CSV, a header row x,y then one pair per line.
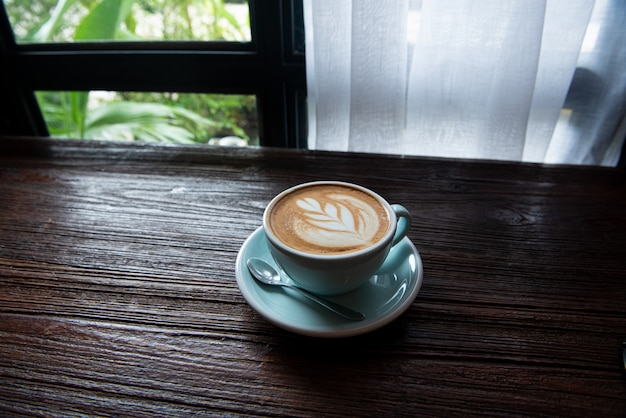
x,y
350,372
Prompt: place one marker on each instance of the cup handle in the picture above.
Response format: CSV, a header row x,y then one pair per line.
x,y
403,224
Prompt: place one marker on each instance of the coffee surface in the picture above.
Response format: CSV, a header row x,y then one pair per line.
x,y
329,219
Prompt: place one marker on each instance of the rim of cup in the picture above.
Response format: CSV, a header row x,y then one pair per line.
x,y
385,240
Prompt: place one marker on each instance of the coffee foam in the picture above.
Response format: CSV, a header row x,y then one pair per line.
x,y
329,219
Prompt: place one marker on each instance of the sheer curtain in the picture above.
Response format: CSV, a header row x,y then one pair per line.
x,y
537,81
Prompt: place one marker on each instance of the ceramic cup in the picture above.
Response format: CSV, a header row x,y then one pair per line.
x,y
330,237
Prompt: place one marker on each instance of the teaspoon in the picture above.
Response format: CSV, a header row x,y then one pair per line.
x,y
267,274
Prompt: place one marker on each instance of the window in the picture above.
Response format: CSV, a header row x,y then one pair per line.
x,y
262,65
57,21
179,118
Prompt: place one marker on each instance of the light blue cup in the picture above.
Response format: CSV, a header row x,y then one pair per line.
x,y
341,273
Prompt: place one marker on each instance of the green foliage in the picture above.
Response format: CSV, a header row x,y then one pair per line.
x,y
51,26
163,117
104,21
149,121
80,20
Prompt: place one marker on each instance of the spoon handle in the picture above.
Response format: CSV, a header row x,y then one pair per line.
x,y
339,309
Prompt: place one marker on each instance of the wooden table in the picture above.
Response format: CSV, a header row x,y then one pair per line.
x,y
118,294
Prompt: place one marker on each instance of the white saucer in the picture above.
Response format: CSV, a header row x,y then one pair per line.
x,y
384,298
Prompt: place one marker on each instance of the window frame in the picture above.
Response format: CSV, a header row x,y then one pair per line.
x,y
268,67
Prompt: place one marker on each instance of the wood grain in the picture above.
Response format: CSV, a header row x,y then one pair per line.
x,y
118,295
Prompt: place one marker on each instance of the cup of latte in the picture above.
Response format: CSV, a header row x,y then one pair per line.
x,y
330,237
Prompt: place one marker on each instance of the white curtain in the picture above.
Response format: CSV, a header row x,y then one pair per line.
x,y
523,80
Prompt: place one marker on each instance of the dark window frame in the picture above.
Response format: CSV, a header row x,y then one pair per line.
x,y
269,67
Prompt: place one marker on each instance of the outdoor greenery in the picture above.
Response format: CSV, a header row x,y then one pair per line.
x,y
164,117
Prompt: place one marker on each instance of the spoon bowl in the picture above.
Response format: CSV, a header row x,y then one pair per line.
x,y
265,273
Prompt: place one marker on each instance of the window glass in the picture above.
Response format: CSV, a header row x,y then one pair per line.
x,y
298,27
181,118
58,21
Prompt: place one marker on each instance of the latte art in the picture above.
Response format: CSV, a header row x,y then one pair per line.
x,y
328,219
344,221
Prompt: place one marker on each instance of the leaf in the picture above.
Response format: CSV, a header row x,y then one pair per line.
x,y
127,113
310,204
346,217
361,222
337,218
47,30
331,225
330,210
162,133
78,100
142,121
183,113
103,21
318,216
223,13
